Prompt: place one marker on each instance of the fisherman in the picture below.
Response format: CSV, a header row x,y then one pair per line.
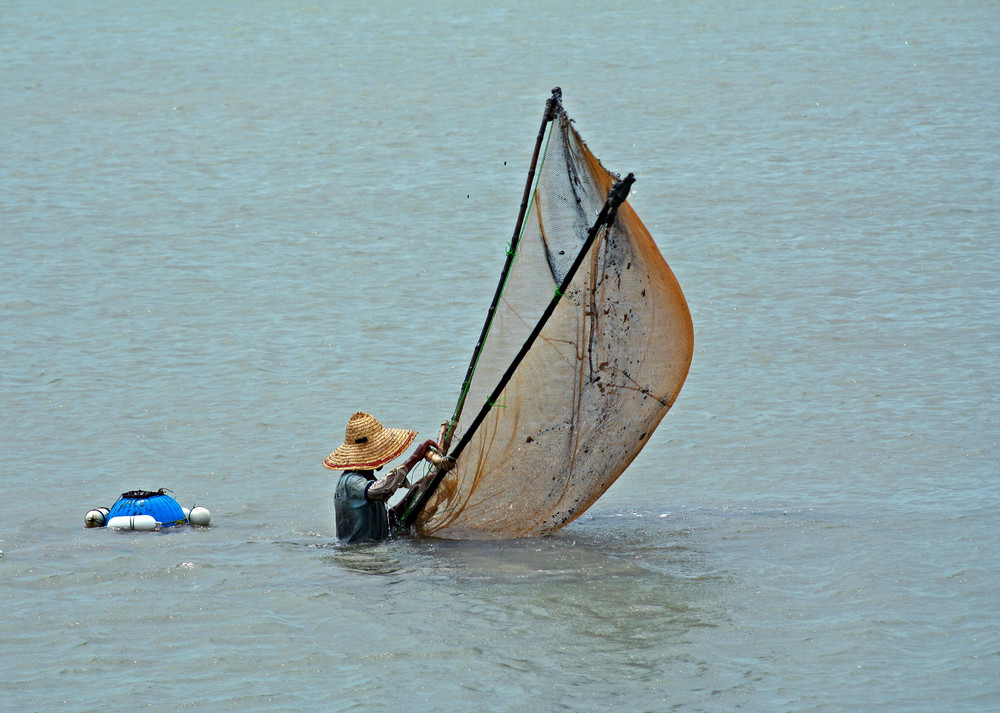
x,y
359,500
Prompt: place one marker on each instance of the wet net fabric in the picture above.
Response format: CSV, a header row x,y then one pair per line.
x,y
602,374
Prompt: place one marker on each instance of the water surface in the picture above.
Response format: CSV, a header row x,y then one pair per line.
x,y
227,227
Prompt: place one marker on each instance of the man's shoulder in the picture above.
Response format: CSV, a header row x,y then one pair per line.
x,y
354,482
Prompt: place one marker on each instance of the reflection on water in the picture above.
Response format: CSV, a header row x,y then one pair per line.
x,y
618,594
595,580
364,558
377,558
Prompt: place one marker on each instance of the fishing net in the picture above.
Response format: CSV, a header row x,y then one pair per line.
x,y
605,369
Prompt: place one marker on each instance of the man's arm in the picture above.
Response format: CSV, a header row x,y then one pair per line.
x,y
383,488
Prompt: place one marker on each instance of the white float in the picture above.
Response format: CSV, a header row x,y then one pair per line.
x,y
97,517
199,516
133,522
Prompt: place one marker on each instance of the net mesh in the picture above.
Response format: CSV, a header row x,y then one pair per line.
x,y
602,374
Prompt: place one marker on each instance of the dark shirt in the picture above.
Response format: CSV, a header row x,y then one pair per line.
x,y
358,518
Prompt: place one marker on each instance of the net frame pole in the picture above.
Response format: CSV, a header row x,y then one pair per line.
x,y
616,196
552,107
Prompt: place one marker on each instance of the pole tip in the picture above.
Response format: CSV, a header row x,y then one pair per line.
x,y
553,103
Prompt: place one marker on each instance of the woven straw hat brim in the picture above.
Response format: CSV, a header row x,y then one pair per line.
x,y
387,445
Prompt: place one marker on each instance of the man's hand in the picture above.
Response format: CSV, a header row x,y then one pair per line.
x,y
419,454
441,461
422,449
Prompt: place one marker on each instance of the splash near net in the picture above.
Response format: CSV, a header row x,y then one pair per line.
x,y
584,351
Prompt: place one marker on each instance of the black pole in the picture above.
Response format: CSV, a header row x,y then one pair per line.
x,y
552,106
619,192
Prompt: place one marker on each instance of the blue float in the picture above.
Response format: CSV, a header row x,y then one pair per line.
x,y
166,511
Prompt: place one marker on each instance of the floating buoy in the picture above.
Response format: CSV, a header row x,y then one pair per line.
x,y
200,516
97,517
132,508
161,507
133,522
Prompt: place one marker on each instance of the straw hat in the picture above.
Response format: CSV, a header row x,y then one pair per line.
x,y
368,444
